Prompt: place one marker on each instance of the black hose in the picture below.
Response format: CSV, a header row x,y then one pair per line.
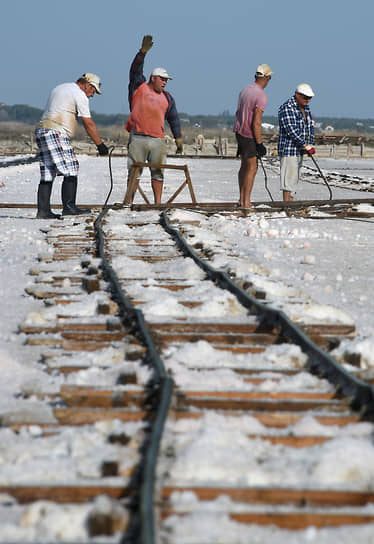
x,y
266,179
161,387
111,149
321,174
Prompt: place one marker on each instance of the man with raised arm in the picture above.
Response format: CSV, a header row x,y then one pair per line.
x,y
150,106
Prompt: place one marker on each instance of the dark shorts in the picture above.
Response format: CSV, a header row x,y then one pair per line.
x,y
246,147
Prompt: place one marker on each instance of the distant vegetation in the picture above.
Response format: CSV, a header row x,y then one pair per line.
x,y
30,116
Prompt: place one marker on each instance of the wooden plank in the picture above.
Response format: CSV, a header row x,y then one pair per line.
x,y
38,292
85,397
263,405
290,520
262,395
75,416
70,369
207,205
189,182
240,349
217,338
132,185
277,375
58,327
43,341
159,165
149,258
68,238
93,336
293,441
171,287
280,371
277,420
70,345
63,493
262,495
212,327
299,521
338,329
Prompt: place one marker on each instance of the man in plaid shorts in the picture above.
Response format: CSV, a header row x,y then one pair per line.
x,y
58,124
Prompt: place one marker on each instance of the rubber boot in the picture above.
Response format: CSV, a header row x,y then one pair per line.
x,y
44,199
68,195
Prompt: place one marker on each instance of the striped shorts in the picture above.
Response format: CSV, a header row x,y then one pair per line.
x,y
57,156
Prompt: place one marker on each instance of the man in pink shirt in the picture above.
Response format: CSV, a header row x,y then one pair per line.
x,y
251,105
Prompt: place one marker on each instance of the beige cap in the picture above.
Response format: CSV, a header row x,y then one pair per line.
x,y
94,80
263,70
305,89
160,72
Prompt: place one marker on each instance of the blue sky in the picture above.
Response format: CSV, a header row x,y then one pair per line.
x,y
211,48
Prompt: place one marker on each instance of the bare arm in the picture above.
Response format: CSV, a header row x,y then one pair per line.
x,y
91,130
256,125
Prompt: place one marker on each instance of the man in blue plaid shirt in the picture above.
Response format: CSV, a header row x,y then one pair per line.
x,y
296,137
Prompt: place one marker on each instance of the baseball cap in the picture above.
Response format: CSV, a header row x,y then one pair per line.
x,y
263,70
160,72
305,89
94,80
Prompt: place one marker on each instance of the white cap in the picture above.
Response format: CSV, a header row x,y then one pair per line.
x,y
94,80
305,89
263,70
160,72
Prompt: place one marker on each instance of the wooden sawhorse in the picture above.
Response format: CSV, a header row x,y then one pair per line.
x,y
133,186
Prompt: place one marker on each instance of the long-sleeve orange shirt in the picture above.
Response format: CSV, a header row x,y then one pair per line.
x,y
148,112
137,79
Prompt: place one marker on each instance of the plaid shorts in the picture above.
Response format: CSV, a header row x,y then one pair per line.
x,y
57,156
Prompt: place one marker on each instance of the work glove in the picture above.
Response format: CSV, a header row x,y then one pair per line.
x,y
309,149
147,43
179,144
102,149
261,150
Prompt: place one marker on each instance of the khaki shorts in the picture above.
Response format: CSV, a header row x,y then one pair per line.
x,y
143,148
290,167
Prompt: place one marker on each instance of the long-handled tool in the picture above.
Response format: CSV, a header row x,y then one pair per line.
x,y
321,174
266,178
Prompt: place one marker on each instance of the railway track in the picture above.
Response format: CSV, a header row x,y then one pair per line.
x,y
179,395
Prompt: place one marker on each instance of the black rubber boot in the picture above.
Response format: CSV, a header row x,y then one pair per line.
x,y
68,195
44,199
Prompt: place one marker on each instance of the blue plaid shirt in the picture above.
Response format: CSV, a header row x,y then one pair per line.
x,y
294,131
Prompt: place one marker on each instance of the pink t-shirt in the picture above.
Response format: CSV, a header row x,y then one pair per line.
x,y
147,112
250,98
